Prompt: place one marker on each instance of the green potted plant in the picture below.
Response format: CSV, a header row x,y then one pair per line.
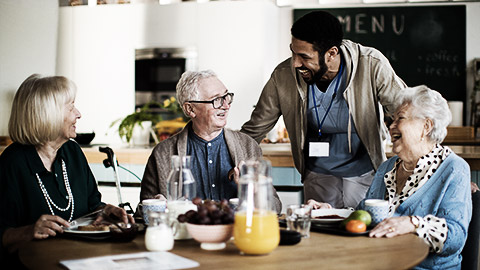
x,y
173,119
144,114
172,109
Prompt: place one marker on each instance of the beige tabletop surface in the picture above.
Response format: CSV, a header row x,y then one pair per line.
x,y
320,251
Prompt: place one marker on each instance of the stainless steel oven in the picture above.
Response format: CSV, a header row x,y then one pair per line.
x,y
157,71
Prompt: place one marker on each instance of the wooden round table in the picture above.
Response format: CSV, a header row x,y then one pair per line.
x,y
322,251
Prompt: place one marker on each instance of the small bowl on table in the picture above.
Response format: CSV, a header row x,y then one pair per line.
x,y
126,234
211,237
85,138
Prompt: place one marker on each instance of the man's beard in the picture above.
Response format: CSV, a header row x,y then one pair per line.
x,y
318,75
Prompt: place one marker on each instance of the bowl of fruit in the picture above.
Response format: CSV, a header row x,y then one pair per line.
x,y
211,225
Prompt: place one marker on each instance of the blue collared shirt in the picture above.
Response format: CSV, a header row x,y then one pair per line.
x,y
211,163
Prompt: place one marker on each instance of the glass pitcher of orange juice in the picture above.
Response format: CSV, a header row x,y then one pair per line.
x,y
256,229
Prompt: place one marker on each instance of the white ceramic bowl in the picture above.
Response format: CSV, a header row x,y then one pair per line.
x,y
211,237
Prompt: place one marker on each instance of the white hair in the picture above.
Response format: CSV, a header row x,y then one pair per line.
x,y
427,104
187,86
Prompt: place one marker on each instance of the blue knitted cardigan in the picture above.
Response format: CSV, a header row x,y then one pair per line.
x,y
446,195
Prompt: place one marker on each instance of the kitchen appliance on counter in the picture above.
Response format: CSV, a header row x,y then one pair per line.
x,y
157,71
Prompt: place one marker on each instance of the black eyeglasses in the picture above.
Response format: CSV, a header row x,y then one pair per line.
x,y
217,102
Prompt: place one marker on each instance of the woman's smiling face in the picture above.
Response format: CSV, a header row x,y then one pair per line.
x,y
407,131
71,114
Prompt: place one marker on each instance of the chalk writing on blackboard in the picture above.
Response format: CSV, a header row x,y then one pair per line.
x,y
424,44
441,63
363,23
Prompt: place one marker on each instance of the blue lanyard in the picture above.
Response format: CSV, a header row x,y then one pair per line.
x,y
320,125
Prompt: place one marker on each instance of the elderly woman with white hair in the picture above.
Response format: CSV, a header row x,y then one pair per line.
x,y
426,184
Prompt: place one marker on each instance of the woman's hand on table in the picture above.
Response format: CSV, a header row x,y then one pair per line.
x,y
393,226
120,213
318,205
48,225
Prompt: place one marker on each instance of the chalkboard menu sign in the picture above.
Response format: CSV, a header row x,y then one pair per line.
x,y
424,44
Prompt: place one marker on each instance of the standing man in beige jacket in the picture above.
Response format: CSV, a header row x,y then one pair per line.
x,y
332,94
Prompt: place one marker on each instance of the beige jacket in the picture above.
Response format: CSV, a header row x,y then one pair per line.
x,y
371,84
240,146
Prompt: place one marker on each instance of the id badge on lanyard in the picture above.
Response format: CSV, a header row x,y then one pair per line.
x,y
319,149
322,149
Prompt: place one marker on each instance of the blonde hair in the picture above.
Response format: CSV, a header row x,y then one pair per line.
x,y
38,109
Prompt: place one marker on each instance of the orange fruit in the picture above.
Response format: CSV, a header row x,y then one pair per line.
x,y
356,226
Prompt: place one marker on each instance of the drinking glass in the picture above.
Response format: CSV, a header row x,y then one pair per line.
x,y
299,219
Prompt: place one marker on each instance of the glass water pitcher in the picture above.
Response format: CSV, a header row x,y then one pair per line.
x,y
256,229
174,180
189,186
181,191
181,184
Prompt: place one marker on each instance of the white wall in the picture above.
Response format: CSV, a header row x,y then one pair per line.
x,y
28,44
238,40
95,51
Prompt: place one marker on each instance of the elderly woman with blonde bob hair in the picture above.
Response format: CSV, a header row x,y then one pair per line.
x,y
426,184
45,180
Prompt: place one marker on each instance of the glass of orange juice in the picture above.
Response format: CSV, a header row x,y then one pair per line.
x,y
256,229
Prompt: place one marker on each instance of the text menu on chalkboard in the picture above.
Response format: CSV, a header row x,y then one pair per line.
x,y
424,44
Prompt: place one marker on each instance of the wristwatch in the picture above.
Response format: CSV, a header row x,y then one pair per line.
x,y
414,220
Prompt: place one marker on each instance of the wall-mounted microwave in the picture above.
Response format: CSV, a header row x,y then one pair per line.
x,y
157,71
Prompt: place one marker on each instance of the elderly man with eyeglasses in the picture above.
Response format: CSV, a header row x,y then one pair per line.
x,y
216,151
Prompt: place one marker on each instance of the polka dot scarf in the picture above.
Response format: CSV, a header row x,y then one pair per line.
x,y
432,229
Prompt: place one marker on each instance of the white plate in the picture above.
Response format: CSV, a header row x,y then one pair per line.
x,y
328,212
74,231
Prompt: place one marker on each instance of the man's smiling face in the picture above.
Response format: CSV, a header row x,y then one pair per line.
x,y
307,61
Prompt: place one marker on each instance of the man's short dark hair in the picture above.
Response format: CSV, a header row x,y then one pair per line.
x,y
320,28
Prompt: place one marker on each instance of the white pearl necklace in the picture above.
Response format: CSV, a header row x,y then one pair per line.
x,y
405,168
71,203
